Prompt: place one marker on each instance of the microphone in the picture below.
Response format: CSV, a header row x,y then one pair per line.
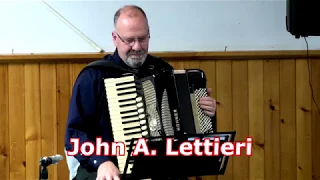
x,y
46,161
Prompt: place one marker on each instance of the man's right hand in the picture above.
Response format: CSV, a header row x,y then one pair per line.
x,y
108,171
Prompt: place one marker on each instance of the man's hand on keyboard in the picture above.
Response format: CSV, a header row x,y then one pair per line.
x,y
108,171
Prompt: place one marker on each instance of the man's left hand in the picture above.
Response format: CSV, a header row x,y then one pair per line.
x,y
208,104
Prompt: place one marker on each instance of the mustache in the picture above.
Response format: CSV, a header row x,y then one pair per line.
x,y
133,52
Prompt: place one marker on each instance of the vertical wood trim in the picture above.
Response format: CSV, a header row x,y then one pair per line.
x,y
17,121
303,114
271,88
209,68
240,116
316,118
63,98
4,123
288,119
224,108
48,113
32,119
256,122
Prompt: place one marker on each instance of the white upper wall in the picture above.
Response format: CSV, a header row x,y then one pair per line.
x,y
211,25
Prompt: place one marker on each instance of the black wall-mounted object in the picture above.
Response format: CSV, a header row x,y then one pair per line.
x,y
303,18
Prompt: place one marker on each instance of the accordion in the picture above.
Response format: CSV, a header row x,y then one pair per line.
x,y
164,103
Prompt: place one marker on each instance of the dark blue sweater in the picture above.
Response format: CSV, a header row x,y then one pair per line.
x,y
88,116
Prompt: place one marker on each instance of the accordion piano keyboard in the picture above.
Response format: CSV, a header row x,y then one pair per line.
x,y
127,113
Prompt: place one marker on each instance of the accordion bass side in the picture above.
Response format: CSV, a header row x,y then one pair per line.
x,y
190,85
165,103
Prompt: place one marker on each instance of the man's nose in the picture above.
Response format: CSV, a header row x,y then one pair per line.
x,y
136,46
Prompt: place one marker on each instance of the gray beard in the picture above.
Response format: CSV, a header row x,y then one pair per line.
x,y
135,62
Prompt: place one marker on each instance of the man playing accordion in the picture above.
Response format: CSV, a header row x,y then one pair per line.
x,y
88,116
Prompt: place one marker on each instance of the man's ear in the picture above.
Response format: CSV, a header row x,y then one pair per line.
x,y
114,38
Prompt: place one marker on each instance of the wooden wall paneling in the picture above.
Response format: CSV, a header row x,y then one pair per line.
x,y
16,106
268,99
256,123
240,115
32,119
315,77
177,64
48,91
192,64
4,123
63,98
288,119
271,91
303,114
209,68
224,108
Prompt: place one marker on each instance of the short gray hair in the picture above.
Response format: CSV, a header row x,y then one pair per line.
x,y
118,13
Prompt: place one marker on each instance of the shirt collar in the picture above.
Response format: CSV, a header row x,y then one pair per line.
x,y
117,59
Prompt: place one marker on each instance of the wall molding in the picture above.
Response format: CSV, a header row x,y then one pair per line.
x,y
89,57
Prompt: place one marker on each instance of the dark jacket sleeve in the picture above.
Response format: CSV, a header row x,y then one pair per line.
x,y
83,118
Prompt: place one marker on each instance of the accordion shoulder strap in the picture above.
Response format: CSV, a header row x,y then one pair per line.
x,y
108,64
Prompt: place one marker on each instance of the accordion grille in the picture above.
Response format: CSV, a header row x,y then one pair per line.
x,y
166,115
151,108
176,119
204,120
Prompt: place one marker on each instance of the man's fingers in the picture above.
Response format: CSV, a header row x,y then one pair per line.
x,y
206,103
207,98
207,108
108,177
209,113
116,177
112,176
101,178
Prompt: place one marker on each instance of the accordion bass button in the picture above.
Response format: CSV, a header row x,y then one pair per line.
x,y
139,99
145,133
142,116
142,122
144,128
139,105
140,110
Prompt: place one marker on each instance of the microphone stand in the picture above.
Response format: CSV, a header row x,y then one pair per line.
x,y
43,170
44,163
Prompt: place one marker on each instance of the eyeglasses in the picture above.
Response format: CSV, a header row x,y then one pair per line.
x,y
131,41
